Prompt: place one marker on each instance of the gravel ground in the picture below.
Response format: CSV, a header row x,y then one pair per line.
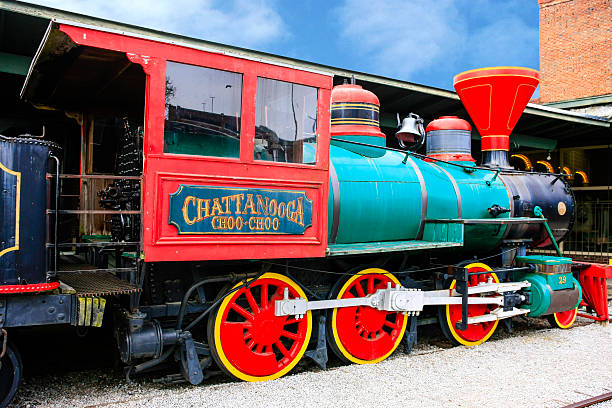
x,y
535,367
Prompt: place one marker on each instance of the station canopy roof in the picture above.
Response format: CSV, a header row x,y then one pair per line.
x,y
23,27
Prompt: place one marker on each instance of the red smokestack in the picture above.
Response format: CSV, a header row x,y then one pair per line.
x,y
495,99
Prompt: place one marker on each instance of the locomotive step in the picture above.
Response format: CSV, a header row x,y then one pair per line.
x,y
96,283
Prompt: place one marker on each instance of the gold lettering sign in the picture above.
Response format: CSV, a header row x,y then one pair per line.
x,y
210,210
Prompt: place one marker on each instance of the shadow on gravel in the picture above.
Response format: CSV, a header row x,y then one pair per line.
x,y
62,364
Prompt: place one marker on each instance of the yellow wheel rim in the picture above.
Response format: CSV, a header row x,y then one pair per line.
x,y
340,327
565,320
449,320
240,368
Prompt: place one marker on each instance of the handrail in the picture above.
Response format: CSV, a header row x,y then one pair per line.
x,y
98,176
425,157
132,212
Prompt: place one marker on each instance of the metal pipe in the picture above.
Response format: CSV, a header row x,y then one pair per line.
x,y
537,211
500,270
56,220
214,279
95,212
99,177
151,363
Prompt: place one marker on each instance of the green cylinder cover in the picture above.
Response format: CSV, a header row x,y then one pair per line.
x,y
387,195
545,289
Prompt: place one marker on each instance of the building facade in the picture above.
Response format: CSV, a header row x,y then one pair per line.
x,y
576,75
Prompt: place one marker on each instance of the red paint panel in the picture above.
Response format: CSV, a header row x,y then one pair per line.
x,y
593,280
166,244
35,287
163,172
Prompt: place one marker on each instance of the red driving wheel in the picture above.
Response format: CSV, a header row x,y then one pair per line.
x,y
363,334
248,341
476,333
563,320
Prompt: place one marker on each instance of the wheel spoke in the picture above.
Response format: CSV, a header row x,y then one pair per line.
x,y
242,312
251,344
264,295
245,324
370,284
259,348
359,289
289,335
252,302
391,324
278,293
281,347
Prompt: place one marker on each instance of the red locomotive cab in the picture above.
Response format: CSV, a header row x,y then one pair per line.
x,y
237,161
236,151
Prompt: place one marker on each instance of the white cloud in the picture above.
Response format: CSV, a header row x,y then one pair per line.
x,y
409,38
401,37
503,42
245,23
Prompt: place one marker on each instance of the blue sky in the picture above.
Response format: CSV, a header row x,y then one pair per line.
x,y
421,41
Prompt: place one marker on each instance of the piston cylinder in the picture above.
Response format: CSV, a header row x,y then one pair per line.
x,y
545,300
146,341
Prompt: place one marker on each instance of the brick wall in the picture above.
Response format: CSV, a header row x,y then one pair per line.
x,y
575,49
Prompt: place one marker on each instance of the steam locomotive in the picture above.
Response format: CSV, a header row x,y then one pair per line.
x,y
275,224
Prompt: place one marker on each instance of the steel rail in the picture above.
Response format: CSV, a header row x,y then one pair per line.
x,y
590,401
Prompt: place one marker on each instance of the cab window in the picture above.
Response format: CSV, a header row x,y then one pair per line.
x,y
202,111
285,122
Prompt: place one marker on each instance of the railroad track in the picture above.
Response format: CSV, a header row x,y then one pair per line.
x,y
590,401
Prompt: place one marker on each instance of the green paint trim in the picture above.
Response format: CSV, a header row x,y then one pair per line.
x,y
527,141
554,113
533,142
580,102
14,64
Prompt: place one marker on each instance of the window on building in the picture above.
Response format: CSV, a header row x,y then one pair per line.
x,y
286,122
203,108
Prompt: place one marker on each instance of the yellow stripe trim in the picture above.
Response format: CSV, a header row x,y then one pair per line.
x,y
497,75
566,326
234,370
494,68
369,121
341,348
354,122
448,320
17,208
355,105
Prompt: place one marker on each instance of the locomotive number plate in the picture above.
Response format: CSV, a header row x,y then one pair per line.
x,y
221,210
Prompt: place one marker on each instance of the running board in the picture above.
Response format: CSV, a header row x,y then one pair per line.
x,y
386,246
